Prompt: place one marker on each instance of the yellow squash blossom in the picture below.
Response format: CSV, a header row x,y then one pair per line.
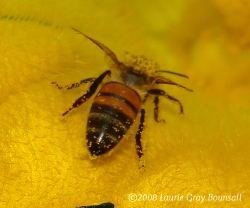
x,y
199,159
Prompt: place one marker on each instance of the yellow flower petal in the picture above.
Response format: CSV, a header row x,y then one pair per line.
x,y
43,157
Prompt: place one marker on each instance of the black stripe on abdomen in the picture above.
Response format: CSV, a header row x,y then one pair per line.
x,y
112,113
120,98
105,124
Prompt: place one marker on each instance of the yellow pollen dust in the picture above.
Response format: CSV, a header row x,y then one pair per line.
x,y
141,63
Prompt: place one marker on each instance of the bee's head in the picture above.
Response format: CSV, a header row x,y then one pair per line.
x,y
136,70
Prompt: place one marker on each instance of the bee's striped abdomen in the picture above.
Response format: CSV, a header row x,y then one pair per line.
x,y
113,111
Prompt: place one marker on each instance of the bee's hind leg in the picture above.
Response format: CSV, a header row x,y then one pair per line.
x,y
139,149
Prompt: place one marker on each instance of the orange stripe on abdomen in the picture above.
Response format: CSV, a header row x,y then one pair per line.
x,y
123,91
121,97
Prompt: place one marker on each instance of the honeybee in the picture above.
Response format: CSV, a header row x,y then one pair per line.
x,y
118,102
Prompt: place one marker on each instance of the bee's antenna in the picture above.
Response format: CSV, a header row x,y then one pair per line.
x,y
107,51
164,80
175,73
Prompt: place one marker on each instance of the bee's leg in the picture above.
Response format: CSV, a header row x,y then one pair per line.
x,y
156,110
74,85
139,149
159,92
89,93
